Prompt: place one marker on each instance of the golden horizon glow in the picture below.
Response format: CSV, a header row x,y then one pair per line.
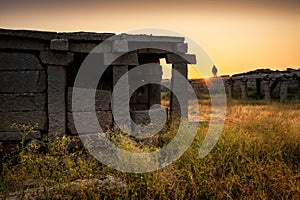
x,y
237,36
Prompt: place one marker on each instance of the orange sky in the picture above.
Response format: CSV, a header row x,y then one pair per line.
x,y
238,35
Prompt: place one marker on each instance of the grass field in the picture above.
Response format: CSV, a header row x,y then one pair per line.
x,y
256,157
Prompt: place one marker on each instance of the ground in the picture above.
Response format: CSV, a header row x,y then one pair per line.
x,y
256,157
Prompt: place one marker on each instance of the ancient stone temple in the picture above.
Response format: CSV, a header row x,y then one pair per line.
x,y
38,70
264,83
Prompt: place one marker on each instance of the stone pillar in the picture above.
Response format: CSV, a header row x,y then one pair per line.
x,y
258,88
56,70
244,89
124,117
267,89
155,74
283,89
298,88
230,88
181,87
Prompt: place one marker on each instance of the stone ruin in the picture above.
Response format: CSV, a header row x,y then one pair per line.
x,y
38,69
264,83
259,84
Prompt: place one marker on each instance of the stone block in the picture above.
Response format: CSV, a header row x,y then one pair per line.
x,y
181,58
104,118
22,81
59,44
11,136
21,43
182,47
56,58
32,117
23,102
19,61
119,46
102,100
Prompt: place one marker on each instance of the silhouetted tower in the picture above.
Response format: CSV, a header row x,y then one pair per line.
x,y
214,71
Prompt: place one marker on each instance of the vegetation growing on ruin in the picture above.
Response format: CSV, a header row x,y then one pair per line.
x,y
257,157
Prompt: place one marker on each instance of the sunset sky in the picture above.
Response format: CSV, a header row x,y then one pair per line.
x,y
238,35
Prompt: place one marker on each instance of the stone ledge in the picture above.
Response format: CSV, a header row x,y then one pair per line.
x,y
42,35
91,36
8,42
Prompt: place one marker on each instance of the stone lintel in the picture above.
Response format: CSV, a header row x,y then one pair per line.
x,y
87,47
56,58
119,59
181,58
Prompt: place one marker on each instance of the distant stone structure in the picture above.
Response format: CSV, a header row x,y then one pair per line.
x,y
38,70
264,82
259,84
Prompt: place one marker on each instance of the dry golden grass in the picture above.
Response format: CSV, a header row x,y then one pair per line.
x,y
256,157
